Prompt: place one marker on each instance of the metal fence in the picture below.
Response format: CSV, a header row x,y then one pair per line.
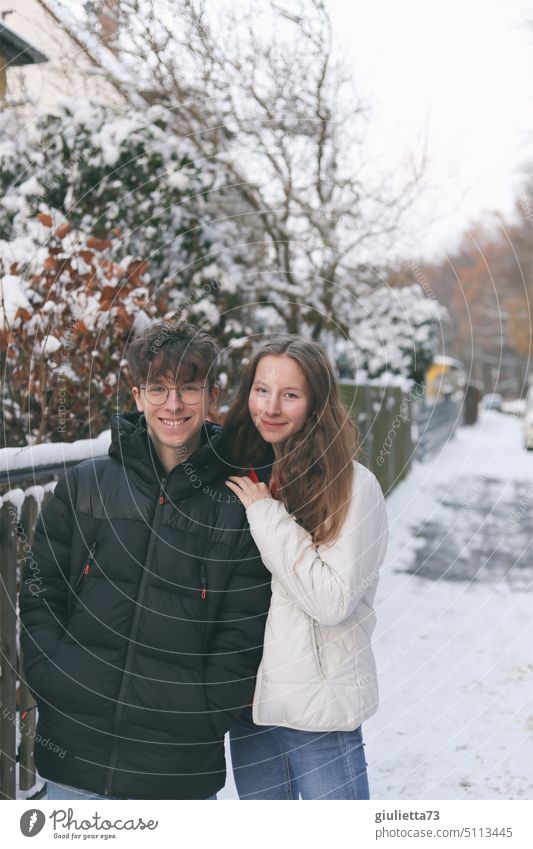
x,y
397,427
383,416
19,510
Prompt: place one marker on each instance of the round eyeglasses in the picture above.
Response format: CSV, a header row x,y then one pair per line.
x,y
157,393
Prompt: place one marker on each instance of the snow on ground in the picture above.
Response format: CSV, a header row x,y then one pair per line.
x,y
455,653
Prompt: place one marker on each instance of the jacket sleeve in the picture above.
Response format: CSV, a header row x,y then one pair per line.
x,y
236,648
327,581
44,591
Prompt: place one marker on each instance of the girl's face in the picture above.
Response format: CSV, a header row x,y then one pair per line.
x,y
280,399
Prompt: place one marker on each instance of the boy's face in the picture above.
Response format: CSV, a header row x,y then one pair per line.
x,y
174,425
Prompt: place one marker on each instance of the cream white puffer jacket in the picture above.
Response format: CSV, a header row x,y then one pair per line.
x,y
318,671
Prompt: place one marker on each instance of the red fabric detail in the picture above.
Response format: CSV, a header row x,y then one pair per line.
x,y
252,474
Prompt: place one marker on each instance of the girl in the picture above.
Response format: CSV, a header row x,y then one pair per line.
x,y
321,528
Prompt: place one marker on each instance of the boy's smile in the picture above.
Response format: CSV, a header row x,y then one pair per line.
x,y
173,425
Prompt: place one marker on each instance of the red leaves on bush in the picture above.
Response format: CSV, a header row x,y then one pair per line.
x,y
23,314
63,229
63,373
45,219
98,244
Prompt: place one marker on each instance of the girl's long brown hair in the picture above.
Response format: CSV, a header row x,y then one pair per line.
x,y
315,469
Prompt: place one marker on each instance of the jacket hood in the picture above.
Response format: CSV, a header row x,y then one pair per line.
x,y
131,445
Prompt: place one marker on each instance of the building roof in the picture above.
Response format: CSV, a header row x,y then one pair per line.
x,y
17,50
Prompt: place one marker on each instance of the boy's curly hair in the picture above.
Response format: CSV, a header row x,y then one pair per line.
x,y
176,348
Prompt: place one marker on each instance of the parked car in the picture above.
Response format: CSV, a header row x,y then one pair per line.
x,y
527,425
493,401
516,407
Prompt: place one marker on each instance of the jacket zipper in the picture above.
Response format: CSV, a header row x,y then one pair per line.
x,y
203,581
156,519
318,648
84,572
86,569
203,595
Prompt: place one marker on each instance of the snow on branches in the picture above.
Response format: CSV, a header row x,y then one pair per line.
x,y
394,334
62,341
124,177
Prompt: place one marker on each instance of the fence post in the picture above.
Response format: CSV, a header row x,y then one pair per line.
x,y
380,428
8,650
407,446
394,423
30,511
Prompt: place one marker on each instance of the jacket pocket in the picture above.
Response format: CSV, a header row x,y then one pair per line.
x,y
318,647
38,675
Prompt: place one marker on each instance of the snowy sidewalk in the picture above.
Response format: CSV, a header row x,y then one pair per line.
x,y
455,657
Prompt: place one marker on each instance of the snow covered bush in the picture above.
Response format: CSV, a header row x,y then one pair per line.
x,y
104,225
124,177
395,333
64,325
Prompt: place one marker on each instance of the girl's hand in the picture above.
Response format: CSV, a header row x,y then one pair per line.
x,y
247,491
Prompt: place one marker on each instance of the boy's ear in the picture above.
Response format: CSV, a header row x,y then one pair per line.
x,y
137,397
213,395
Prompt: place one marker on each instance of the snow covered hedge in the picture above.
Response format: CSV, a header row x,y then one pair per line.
x,y
66,322
128,179
395,333
103,227
125,177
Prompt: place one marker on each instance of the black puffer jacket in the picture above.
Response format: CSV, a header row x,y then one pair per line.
x,y
140,665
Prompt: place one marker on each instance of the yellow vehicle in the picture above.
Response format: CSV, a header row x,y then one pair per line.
x,y
445,377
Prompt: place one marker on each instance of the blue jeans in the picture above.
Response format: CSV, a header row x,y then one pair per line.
x,y
270,762
63,791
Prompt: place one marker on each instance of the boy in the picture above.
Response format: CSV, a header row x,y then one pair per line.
x,y
142,644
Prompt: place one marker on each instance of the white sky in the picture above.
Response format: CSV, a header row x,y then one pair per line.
x,y
459,72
